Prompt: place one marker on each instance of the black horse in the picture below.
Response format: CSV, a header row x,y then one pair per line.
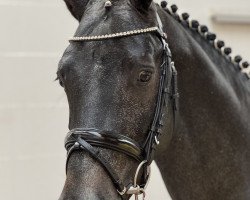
x,y
113,84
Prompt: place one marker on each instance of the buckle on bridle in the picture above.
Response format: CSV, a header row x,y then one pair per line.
x,y
136,191
157,141
123,191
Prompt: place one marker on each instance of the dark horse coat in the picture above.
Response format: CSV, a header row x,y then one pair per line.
x,y
207,156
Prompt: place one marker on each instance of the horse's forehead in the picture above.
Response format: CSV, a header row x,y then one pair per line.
x,y
113,50
121,17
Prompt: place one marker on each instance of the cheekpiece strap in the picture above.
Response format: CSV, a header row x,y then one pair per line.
x,y
164,94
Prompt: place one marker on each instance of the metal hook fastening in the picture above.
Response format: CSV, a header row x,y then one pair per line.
x,y
157,140
108,4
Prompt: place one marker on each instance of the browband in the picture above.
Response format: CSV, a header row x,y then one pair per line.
x,y
114,35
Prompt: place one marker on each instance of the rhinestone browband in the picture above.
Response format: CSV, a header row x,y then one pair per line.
x,y
114,35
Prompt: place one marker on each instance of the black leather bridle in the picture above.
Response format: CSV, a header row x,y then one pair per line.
x,y
89,139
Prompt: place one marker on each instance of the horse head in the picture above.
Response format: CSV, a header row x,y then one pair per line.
x,y
117,75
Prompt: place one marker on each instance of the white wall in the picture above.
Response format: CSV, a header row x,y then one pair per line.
x,y
33,108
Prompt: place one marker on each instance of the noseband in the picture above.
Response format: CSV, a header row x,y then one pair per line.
x,y
89,139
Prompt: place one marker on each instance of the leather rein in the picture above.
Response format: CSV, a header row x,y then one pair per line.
x,y
89,139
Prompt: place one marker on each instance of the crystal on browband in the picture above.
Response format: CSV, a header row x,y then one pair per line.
x,y
114,35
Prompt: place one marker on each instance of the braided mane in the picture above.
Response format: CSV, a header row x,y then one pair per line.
x,y
219,45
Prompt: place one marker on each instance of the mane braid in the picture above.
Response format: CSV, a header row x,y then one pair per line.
x,y
219,45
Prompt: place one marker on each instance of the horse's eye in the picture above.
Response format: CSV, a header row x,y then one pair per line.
x,y
145,76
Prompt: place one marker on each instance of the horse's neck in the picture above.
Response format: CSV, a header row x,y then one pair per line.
x,y
209,155
208,82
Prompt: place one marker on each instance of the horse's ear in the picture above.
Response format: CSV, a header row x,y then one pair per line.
x,y
77,7
142,4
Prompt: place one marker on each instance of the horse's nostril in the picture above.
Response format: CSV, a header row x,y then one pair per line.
x,y
61,77
61,83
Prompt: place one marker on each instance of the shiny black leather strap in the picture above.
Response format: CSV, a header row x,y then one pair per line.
x,y
95,153
105,139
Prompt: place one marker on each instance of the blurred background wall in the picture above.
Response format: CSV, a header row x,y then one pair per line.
x,y
33,108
